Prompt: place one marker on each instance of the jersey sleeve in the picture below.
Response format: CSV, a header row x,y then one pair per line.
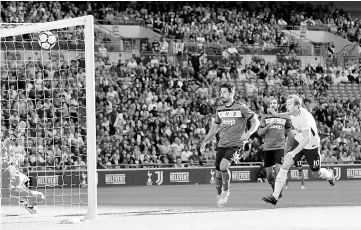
x,y
262,122
246,112
306,122
307,117
218,119
288,124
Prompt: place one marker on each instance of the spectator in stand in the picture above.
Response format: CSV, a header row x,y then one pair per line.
x,y
132,64
309,69
191,164
251,88
195,61
250,74
177,147
270,81
103,54
319,69
179,163
186,154
164,45
156,46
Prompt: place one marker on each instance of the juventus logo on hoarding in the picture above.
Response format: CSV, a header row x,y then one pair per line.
x,y
159,180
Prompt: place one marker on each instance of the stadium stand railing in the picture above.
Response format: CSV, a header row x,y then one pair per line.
x,y
211,163
310,28
120,21
341,60
131,45
161,165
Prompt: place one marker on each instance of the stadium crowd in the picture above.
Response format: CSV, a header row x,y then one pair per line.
x,y
153,111
243,23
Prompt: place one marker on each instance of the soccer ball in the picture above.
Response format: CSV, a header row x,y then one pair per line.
x,y
46,40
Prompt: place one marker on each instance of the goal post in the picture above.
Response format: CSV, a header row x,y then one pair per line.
x,y
91,118
87,25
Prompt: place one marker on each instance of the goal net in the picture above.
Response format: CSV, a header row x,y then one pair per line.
x,y
48,116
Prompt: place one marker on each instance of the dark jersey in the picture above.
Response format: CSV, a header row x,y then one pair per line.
x,y
232,120
156,46
275,135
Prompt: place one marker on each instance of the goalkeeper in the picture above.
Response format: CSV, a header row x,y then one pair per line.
x,y
13,181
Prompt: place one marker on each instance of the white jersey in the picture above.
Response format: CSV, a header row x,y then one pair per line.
x,y
306,121
10,164
9,154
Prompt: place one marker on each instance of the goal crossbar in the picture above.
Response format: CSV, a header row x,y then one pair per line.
x,y
88,23
38,27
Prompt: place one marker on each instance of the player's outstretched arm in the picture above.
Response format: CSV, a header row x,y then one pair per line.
x,y
213,131
289,133
254,125
283,115
280,115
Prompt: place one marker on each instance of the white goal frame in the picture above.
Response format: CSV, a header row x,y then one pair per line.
x,y
88,23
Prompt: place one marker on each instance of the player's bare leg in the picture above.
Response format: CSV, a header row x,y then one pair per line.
x,y
270,177
326,174
280,181
277,168
302,177
290,145
28,198
218,183
226,178
287,186
317,171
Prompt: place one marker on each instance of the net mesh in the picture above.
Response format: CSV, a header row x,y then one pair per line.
x,y
45,89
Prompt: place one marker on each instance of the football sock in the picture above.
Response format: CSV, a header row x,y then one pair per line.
x,y
219,185
280,181
226,176
301,175
271,180
324,173
287,178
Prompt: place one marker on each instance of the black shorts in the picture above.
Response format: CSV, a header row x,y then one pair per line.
x,y
227,153
298,164
312,157
272,157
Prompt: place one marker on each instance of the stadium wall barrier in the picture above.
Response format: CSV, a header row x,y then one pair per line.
x,y
49,58
244,59
173,176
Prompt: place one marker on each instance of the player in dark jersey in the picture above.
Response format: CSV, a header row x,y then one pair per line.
x,y
230,122
274,130
291,145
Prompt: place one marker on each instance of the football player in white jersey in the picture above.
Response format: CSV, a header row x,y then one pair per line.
x,y
308,146
13,181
